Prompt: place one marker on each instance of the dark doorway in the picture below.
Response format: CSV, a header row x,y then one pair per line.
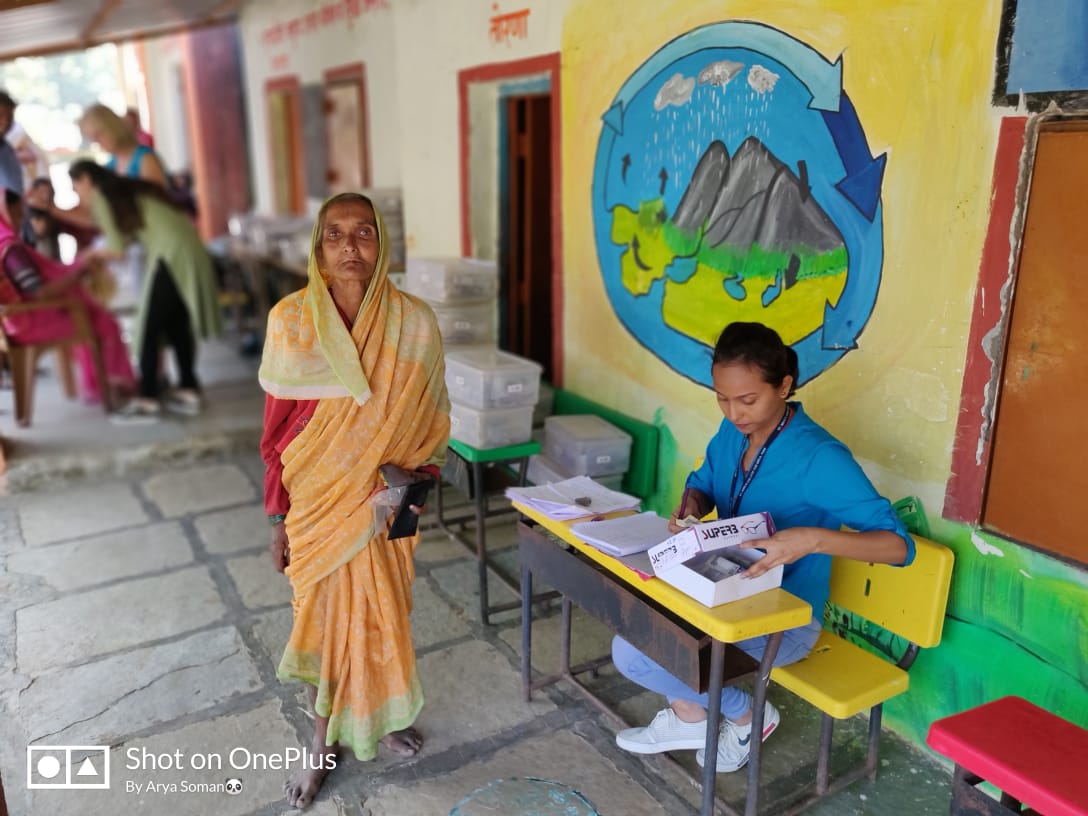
x,y
525,229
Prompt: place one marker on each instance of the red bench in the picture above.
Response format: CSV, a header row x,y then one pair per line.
x,y
1033,757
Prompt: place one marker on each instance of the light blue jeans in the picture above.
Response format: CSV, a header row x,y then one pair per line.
x,y
635,666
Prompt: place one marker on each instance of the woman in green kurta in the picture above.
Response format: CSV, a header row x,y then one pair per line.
x,y
179,292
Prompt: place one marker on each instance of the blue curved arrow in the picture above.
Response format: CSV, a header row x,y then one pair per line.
x,y
864,174
844,321
613,117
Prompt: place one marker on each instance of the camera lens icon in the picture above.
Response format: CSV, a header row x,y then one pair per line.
x,y
67,767
49,766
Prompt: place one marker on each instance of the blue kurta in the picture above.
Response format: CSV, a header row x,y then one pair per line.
x,y
807,479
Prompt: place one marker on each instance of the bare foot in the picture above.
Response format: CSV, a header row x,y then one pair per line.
x,y
302,787
404,743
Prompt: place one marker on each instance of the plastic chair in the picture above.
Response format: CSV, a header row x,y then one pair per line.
x,y
23,359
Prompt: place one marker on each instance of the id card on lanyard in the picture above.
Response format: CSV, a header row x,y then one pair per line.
x,y
734,495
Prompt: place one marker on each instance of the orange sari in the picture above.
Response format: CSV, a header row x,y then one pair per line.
x,y
382,399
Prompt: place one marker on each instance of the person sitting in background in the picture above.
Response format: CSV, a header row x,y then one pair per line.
x,y
40,228
127,156
27,276
178,298
46,222
783,463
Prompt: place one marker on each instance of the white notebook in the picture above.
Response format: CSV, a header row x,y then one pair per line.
x,y
624,535
573,498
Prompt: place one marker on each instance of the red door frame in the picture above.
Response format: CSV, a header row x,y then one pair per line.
x,y
544,64
971,448
356,72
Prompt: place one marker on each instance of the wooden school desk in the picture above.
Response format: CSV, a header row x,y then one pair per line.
x,y
691,640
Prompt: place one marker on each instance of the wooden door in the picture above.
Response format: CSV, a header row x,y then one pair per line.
x,y
285,137
346,128
1037,474
526,240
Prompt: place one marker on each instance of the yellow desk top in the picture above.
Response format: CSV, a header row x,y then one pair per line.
x,y
762,614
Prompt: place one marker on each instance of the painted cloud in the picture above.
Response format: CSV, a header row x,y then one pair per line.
x,y
719,73
762,80
676,91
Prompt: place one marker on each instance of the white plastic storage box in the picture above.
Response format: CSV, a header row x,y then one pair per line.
x,y
453,280
466,325
714,578
491,429
586,445
489,378
542,470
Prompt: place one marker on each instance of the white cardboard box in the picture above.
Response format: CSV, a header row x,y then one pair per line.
x,y
708,536
691,577
698,560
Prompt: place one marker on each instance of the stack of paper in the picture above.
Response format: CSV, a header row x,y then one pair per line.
x,y
625,535
573,498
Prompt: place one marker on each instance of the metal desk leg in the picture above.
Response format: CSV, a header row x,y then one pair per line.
x,y
564,641
759,700
438,504
713,721
480,501
526,633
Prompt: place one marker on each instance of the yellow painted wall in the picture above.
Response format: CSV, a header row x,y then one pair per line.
x,y
920,76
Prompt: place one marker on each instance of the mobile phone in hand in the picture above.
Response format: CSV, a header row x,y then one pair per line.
x,y
405,522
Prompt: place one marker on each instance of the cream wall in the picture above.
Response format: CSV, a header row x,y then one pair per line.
x,y
434,41
919,76
413,51
367,38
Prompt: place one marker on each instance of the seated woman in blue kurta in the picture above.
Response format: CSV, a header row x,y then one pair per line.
x,y
766,456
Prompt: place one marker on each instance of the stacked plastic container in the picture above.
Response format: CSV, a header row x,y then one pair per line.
x,y
463,293
492,396
581,445
492,393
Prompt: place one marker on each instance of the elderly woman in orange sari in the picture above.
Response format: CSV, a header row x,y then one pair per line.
x,y
354,377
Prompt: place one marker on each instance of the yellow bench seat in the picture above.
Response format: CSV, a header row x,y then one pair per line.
x,y
842,679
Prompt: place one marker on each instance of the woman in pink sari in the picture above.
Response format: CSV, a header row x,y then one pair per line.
x,y
28,276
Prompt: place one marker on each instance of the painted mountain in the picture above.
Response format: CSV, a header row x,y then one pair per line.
x,y
747,242
753,199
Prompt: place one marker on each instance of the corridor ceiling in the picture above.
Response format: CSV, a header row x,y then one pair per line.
x,y
37,27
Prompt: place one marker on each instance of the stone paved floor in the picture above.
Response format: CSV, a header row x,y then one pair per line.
x,y
139,610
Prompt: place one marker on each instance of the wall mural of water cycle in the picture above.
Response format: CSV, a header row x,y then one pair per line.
x,y
733,181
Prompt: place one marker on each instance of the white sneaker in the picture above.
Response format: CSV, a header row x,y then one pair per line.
x,y
666,732
184,402
734,741
137,412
